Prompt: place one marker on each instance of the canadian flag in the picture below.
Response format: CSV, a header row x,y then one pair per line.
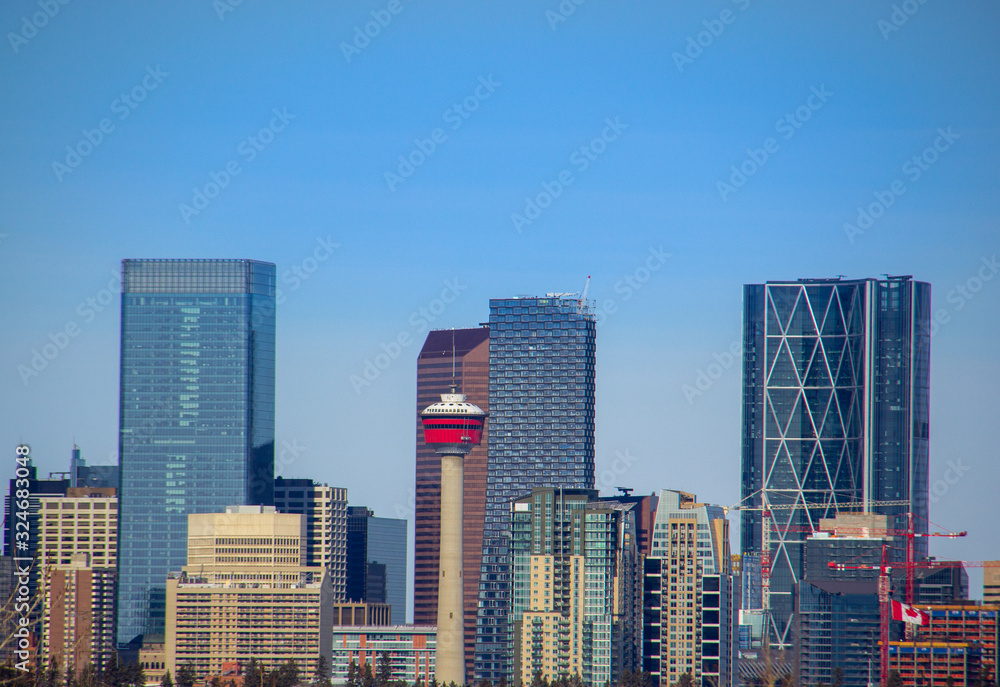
x,y
908,614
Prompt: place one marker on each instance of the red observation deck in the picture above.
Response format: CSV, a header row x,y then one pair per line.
x,y
453,426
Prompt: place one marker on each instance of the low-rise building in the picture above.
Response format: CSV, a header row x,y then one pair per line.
x,y
410,649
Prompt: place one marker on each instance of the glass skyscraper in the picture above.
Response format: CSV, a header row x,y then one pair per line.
x,y
541,434
196,414
835,413
376,560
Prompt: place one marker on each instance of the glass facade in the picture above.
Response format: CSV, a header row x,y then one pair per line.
x,y
835,411
196,414
376,561
541,434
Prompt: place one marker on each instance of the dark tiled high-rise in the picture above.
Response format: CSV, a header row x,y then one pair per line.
x,y
541,434
460,357
196,414
835,412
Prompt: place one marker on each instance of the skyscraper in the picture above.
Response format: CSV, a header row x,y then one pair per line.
x,y
376,560
835,413
325,510
541,434
689,594
460,357
196,414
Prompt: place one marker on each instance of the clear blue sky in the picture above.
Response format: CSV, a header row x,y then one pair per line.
x,y
181,93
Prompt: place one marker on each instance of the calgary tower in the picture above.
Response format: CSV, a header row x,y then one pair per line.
x,y
452,427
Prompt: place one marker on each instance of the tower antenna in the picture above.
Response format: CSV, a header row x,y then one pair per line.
x,y
453,385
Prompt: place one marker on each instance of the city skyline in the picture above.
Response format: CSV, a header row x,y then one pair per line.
x,y
852,146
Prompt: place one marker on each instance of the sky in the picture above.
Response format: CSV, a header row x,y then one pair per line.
x,y
404,161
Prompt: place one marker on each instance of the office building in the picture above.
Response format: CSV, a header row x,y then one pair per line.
x,y
325,511
196,414
361,613
835,413
991,582
459,357
690,594
541,434
376,560
837,626
246,592
410,649
83,475
577,586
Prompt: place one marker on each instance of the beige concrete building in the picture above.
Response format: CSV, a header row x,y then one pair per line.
x,y
991,582
247,592
78,554
325,511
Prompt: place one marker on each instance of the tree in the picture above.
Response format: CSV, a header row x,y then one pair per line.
x,y
949,681
287,675
51,678
895,680
538,680
383,676
185,676
167,680
685,680
88,676
838,677
367,676
322,677
251,673
485,683
353,680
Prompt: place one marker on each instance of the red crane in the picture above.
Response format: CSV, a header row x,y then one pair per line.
x,y
885,609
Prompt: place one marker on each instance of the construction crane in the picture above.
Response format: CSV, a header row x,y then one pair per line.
x,y
582,303
909,534
884,589
765,546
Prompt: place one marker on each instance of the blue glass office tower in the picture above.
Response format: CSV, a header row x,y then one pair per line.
x,y
376,560
196,414
835,413
541,431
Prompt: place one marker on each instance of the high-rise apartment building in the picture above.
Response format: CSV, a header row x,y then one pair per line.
x,y
325,511
246,592
837,626
541,434
690,595
459,357
376,560
991,582
835,413
576,587
196,414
